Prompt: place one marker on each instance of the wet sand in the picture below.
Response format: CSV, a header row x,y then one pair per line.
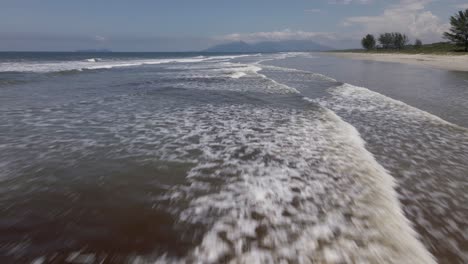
x,y
445,62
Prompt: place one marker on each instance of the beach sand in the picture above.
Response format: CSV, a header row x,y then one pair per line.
x,y
446,62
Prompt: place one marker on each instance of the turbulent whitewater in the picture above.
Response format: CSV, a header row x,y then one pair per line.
x,y
220,159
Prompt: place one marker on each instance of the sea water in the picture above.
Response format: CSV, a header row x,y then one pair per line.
x,y
230,158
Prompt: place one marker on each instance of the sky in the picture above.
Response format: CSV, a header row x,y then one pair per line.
x,y
192,25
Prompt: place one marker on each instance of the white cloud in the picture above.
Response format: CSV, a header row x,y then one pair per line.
x,y
408,16
313,10
286,34
100,38
331,39
462,6
347,2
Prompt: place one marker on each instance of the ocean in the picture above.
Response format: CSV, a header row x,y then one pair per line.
x,y
230,158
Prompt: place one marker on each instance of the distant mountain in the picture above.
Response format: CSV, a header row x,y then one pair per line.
x,y
269,46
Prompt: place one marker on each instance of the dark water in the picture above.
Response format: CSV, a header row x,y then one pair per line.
x,y
197,158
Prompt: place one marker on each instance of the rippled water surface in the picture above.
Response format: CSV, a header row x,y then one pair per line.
x,y
215,158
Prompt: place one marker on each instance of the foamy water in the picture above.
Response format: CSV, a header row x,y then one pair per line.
x,y
99,63
286,200
223,159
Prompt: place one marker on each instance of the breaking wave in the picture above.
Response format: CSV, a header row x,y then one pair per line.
x,y
270,184
97,63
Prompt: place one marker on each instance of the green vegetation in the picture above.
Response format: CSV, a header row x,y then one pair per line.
x,y
418,44
368,42
396,42
393,40
434,48
459,29
400,40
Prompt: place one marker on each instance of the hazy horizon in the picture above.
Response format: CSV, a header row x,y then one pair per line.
x,y
165,26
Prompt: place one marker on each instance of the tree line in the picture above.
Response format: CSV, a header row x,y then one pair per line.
x,y
394,40
458,34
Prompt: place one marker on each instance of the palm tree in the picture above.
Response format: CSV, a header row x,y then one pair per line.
x,y
459,29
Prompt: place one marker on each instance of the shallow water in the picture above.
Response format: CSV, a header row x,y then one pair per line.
x,y
197,158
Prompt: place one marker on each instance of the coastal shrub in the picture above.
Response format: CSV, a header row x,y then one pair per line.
x,y
417,44
458,32
399,40
368,42
386,40
394,40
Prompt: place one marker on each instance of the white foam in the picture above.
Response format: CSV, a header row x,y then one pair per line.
x,y
254,80
283,55
292,70
93,60
307,191
230,57
243,70
237,75
367,100
96,63
427,153
272,184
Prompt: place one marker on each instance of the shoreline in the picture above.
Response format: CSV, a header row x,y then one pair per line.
x,y
444,62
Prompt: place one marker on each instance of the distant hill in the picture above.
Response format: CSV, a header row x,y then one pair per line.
x,y
269,46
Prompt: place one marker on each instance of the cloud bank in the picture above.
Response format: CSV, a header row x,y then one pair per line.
x,y
286,34
408,16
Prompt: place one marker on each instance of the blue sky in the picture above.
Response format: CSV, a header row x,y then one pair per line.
x,y
165,25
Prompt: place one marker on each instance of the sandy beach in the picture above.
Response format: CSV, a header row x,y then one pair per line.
x,y
446,62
